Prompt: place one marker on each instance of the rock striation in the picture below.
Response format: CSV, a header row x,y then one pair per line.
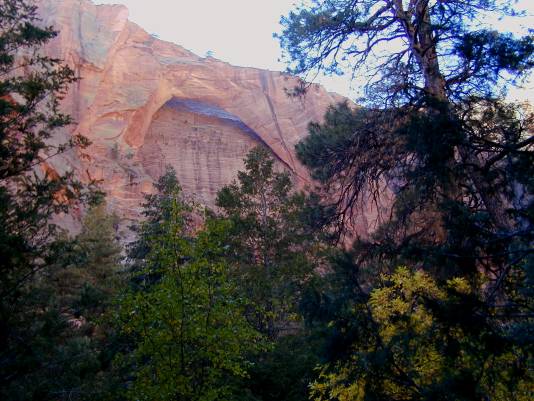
x,y
145,103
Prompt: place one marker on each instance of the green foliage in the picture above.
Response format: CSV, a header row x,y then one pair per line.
x,y
190,338
448,213
284,372
64,355
30,89
457,163
87,284
277,242
157,211
422,347
37,340
251,303
273,246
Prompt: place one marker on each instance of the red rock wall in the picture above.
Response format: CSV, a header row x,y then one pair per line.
x,y
145,103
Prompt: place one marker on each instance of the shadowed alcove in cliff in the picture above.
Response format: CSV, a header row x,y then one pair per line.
x,y
204,143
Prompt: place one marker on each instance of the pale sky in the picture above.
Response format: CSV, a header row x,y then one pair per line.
x,y
240,31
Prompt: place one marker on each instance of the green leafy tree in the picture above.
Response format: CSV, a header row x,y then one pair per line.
x,y
427,341
274,247
189,336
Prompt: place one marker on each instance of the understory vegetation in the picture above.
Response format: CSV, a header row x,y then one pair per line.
x,y
276,293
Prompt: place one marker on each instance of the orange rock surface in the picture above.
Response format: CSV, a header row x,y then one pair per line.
x,y
145,103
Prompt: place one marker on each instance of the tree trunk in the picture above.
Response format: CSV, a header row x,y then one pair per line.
x,y
417,25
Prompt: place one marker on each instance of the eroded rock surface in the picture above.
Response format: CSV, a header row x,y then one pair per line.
x,y
211,146
145,103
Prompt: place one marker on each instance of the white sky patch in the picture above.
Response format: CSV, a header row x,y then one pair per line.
x,y
241,32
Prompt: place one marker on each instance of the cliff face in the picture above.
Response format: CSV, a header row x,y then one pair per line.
x,y
145,103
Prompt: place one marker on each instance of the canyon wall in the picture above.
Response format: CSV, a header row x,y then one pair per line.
x,y
145,103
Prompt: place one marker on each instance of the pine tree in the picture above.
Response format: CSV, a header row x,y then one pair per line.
x,y
458,160
87,284
275,250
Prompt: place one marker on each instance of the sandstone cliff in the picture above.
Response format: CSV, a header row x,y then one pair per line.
x,y
145,103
